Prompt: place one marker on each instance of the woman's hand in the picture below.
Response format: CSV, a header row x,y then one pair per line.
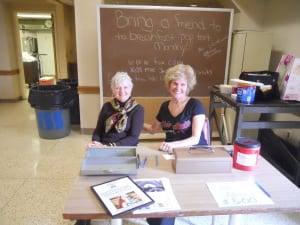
x,y
94,144
167,147
152,128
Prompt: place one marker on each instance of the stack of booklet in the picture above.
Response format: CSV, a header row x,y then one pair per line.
x,y
123,195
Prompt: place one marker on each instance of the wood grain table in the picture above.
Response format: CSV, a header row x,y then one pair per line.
x,y
191,191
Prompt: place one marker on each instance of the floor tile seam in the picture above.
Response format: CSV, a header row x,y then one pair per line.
x,y
34,178
72,181
49,150
14,193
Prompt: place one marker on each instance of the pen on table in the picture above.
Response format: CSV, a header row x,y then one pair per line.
x,y
156,160
138,160
144,161
264,190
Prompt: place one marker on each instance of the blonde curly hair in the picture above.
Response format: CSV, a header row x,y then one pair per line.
x,y
180,71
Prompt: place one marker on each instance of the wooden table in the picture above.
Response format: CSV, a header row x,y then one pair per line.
x,y
190,190
265,109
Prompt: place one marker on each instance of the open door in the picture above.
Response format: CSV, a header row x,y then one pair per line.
x,y
37,45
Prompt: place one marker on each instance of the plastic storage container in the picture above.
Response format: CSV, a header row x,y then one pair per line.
x,y
52,107
246,94
110,161
245,153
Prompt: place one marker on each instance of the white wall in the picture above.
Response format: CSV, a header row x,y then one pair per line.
x,y
9,73
87,59
250,15
282,19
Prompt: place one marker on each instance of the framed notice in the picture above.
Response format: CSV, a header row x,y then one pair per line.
x,y
121,195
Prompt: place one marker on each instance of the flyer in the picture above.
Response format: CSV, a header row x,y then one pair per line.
x,y
121,195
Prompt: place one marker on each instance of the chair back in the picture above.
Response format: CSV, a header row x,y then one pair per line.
x,y
206,131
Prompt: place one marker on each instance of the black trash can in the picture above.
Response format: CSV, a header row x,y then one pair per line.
x,y
74,109
52,108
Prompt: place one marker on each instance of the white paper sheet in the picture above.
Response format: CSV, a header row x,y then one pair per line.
x,y
160,190
239,193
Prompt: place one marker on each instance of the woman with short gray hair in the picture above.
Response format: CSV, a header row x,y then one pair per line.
x,y
120,120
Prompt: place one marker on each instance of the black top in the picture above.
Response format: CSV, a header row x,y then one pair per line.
x,y
129,137
180,127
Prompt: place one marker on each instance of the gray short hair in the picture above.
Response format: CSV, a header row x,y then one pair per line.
x,y
181,71
121,77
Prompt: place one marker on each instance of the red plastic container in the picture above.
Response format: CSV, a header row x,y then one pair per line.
x,y
47,81
245,153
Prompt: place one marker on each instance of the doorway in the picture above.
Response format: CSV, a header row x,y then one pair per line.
x,y
37,46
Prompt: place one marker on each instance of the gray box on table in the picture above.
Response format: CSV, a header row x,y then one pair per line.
x,y
110,161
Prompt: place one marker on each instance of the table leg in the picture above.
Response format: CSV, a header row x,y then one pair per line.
x,y
235,219
239,118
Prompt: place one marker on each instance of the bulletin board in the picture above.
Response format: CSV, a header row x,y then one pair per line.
x,y
146,40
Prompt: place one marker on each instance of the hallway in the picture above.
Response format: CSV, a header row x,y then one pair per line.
x,y
36,175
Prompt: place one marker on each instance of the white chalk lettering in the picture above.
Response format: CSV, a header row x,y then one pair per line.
x,y
122,21
164,23
211,52
205,72
160,46
203,37
189,25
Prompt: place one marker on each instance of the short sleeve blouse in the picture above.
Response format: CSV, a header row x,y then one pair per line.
x,y
180,127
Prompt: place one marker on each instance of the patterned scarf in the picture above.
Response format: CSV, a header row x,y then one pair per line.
x,y
118,120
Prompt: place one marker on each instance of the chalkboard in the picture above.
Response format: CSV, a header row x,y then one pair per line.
x,y
146,40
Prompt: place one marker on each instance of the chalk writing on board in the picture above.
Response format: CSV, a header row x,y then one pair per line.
x,y
159,34
145,42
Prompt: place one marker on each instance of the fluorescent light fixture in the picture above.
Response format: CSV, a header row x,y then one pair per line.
x,y
34,15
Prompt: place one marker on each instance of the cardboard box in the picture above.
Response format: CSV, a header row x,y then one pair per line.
x,y
110,161
290,83
202,160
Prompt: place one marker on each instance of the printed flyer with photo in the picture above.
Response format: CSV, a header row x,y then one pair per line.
x,y
121,195
160,190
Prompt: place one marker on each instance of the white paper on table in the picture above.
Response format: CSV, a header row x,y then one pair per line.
x,y
160,190
239,193
168,156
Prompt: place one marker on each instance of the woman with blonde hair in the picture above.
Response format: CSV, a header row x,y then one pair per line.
x,y
181,118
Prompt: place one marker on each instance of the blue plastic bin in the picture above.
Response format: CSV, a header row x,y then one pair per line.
x,y
52,108
53,124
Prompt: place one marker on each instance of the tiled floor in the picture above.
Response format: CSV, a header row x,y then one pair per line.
x,y
36,175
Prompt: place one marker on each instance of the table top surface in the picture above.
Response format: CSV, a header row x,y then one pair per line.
x,y
191,190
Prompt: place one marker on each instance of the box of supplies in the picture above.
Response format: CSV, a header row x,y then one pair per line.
x,y
110,161
202,160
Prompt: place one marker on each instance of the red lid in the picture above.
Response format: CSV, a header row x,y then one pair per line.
x,y
247,142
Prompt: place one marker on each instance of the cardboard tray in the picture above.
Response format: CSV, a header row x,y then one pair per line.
x,y
110,161
202,161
